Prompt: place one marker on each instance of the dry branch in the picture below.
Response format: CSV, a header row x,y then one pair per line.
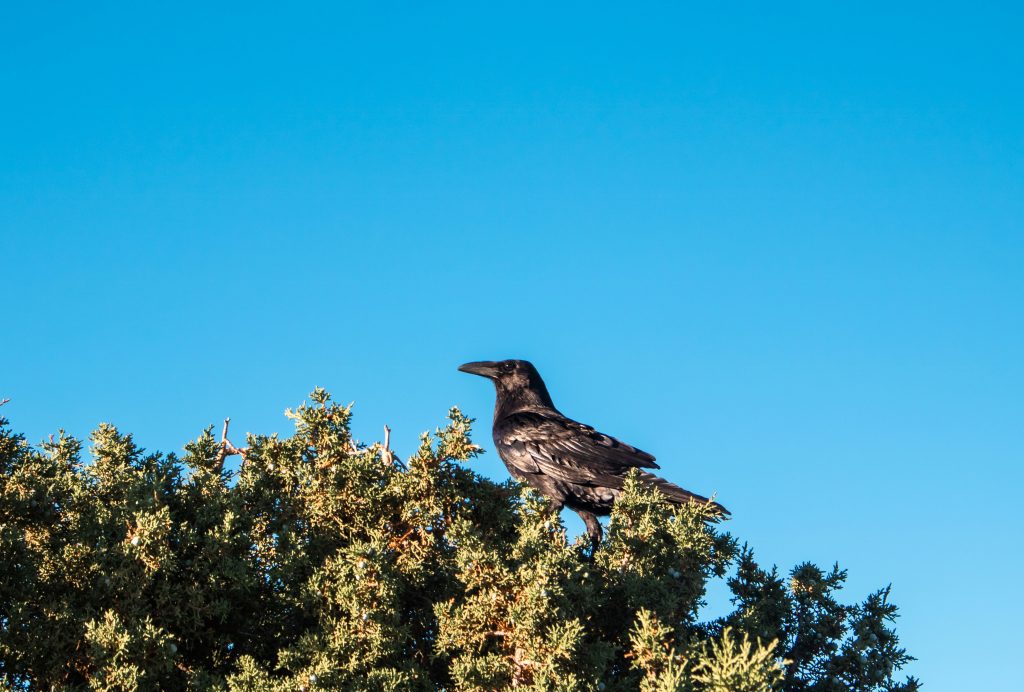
x,y
226,448
385,450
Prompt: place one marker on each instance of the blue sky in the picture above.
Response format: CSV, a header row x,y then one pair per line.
x,y
781,249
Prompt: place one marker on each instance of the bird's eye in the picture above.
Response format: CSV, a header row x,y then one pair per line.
x,y
508,366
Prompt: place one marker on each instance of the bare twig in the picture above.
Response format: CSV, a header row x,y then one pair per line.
x,y
396,543
388,456
524,667
385,450
4,401
226,448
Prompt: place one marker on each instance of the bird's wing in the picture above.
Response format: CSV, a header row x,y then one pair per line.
x,y
552,444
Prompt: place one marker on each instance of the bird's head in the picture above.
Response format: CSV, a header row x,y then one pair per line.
x,y
512,378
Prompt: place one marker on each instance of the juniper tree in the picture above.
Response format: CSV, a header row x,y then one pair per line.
x,y
323,563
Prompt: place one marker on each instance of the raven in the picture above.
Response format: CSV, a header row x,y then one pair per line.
x,y
570,463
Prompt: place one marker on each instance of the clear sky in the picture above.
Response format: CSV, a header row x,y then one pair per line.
x,y
779,246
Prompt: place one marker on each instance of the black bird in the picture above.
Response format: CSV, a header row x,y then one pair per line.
x,y
570,463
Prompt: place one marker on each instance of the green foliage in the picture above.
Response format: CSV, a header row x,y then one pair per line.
x,y
324,564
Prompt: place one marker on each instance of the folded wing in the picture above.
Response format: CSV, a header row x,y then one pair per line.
x,y
564,449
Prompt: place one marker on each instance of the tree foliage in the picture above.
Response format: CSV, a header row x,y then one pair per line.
x,y
323,563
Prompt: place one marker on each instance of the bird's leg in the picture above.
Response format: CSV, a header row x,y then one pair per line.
x,y
593,526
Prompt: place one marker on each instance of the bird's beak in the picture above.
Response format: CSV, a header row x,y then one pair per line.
x,y
484,368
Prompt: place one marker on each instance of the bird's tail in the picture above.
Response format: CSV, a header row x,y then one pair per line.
x,y
678,495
